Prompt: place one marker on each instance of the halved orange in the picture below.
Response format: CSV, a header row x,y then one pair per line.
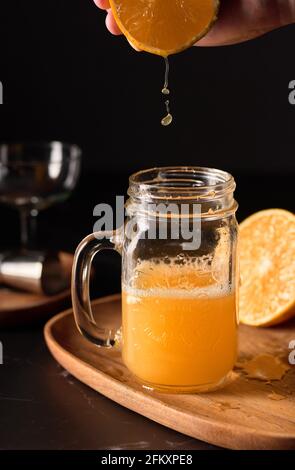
x,y
164,27
267,267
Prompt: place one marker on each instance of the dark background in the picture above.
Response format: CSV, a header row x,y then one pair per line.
x,y
66,78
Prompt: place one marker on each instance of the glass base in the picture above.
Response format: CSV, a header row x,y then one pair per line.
x,y
187,389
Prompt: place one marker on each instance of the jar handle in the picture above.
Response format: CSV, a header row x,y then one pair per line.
x,y
83,314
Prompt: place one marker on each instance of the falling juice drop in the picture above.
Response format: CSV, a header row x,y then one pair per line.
x,y
167,120
165,89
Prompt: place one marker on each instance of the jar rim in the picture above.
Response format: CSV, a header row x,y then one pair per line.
x,y
180,182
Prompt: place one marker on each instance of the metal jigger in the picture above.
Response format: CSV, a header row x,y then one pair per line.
x,y
33,271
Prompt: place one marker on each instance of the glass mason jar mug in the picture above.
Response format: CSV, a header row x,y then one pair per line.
x,y
179,279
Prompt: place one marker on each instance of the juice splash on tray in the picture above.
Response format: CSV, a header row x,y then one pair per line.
x,y
264,367
179,327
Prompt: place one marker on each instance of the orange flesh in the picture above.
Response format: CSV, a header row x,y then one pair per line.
x,y
164,26
267,265
179,328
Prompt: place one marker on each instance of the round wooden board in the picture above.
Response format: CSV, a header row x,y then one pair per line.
x,y
240,416
19,308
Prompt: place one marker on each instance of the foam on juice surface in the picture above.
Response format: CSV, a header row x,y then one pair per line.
x,y
189,280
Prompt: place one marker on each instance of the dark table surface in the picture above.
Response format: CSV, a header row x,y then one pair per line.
x,y
41,405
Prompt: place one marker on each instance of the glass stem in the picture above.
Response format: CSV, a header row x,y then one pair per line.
x,y
27,227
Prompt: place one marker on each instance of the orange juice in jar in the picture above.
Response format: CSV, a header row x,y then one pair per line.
x,y
179,309
179,328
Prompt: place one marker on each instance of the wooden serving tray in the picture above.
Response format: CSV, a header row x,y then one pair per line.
x,y
21,308
240,416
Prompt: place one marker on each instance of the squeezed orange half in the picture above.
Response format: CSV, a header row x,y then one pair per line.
x,y
164,27
179,328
